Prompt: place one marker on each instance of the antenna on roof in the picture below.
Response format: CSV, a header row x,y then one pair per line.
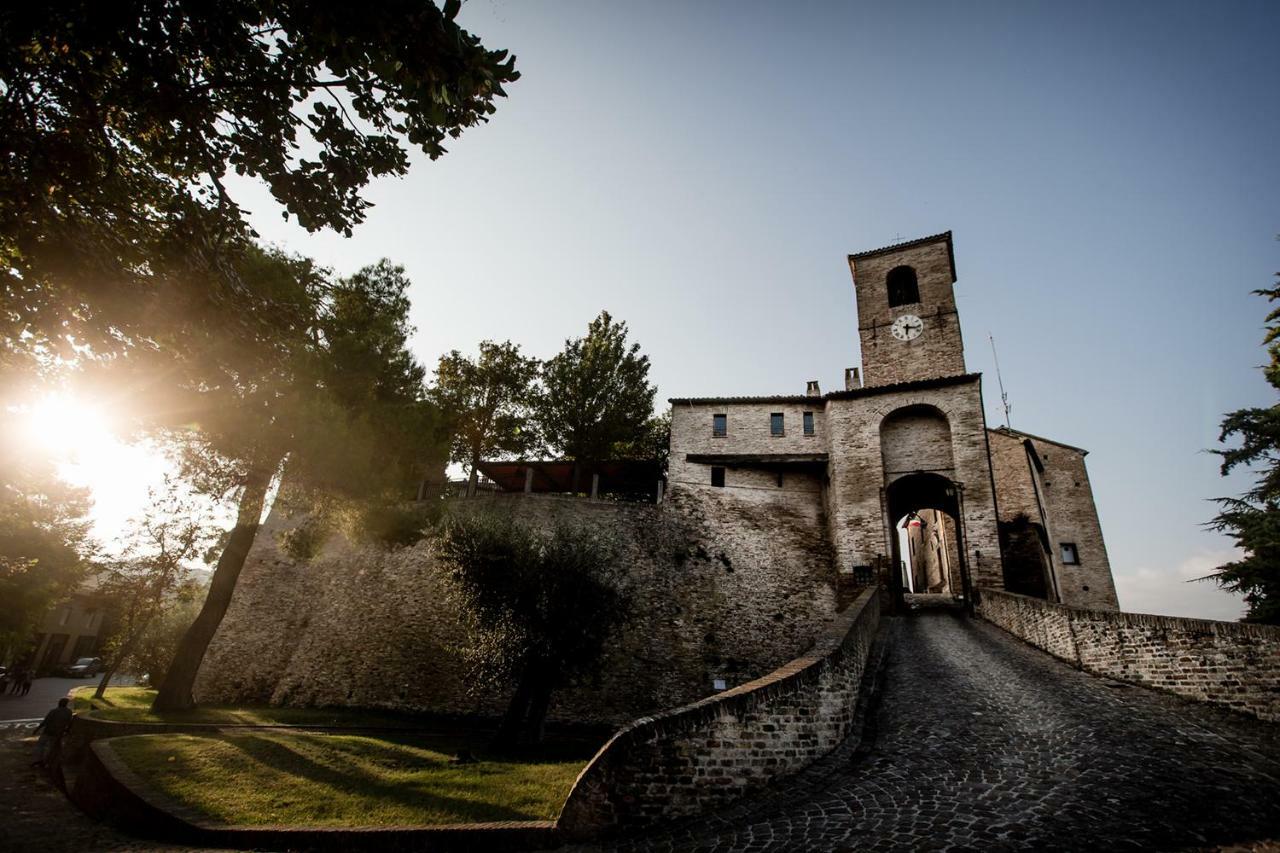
x,y
1004,398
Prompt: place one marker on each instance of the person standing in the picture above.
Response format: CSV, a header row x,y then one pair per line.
x,y
51,729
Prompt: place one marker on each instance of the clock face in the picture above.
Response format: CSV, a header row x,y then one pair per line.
x,y
907,327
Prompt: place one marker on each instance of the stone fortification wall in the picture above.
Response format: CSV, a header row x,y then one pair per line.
x,y
1225,663
725,586
695,759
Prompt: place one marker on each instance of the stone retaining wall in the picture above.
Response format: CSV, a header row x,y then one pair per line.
x,y
723,586
700,757
1232,664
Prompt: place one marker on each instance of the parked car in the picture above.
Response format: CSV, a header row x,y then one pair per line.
x,y
82,668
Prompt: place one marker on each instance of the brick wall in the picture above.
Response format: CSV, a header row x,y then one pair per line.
x,y
727,585
939,350
700,757
1224,663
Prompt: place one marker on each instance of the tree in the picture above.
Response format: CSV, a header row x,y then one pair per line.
x,y
122,120
541,606
1253,520
150,573
488,402
153,654
45,551
334,405
596,398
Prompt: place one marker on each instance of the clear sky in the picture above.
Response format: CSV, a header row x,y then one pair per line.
x,y
702,170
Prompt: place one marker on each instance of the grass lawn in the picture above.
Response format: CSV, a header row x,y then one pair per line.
x,y
133,704
315,779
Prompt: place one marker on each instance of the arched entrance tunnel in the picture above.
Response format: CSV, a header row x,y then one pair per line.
x,y
928,535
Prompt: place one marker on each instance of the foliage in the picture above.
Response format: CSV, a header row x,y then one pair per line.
x,y
489,403
44,546
330,399
152,573
597,400
653,443
304,540
1253,520
122,121
541,607
152,655
312,779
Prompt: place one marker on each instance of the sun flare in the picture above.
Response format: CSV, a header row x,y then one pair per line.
x,y
78,437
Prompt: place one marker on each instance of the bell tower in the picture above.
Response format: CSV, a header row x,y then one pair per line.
x,y
907,319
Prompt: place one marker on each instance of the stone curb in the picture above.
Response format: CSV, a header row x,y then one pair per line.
x,y
107,789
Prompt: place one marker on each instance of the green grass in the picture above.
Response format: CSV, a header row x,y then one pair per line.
x,y
313,779
133,705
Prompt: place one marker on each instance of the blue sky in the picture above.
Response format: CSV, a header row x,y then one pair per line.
x,y
702,169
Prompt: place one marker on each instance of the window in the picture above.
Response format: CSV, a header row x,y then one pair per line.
x,y
1070,556
720,425
775,423
808,423
903,287
779,479
717,476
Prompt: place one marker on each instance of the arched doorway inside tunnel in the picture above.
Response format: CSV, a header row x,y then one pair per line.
x,y
928,535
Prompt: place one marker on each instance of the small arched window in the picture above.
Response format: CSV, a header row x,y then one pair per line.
x,y
903,287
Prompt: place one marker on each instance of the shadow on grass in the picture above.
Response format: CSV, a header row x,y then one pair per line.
x,y
353,779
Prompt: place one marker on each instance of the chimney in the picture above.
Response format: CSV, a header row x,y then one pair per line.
x,y
852,379
812,389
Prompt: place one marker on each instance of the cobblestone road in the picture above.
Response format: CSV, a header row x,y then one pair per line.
x,y
981,742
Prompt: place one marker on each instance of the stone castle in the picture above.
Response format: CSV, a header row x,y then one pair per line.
x,y
901,465
778,510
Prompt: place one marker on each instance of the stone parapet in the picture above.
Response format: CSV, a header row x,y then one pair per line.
x,y
700,757
1232,664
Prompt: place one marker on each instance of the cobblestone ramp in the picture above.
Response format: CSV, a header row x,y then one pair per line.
x,y
981,742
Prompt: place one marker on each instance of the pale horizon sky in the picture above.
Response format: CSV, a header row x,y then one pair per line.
x,y
703,170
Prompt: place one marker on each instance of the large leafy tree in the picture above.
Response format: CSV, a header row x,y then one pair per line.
x,y
121,121
334,404
1253,520
489,403
541,605
597,401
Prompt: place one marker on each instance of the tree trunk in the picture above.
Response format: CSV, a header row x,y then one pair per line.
x,y
535,723
509,729
474,478
175,691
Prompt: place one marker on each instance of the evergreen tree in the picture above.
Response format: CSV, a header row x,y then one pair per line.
x,y
596,400
1253,520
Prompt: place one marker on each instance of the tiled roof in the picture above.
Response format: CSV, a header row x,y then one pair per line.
x,y
897,247
1020,434
869,391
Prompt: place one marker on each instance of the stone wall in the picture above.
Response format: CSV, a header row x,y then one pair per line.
x,y
698,758
725,586
1058,496
1224,663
